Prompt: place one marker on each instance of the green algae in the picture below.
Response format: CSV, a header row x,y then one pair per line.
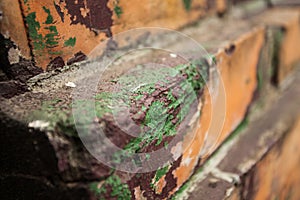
x,y
117,9
113,184
33,28
187,4
70,42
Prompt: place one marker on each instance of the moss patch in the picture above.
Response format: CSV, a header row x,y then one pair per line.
x,y
33,28
187,4
112,187
70,42
158,175
161,105
40,42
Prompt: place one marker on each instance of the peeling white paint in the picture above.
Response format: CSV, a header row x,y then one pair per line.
x,y
39,124
177,150
226,176
13,55
186,161
173,55
229,191
70,84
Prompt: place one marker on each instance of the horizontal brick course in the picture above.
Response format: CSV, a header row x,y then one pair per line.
x,y
249,52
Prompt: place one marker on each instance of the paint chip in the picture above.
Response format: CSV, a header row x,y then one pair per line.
x,y
70,84
173,55
39,124
14,55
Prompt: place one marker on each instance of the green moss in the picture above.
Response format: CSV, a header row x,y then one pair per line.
x,y
95,189
70,42
179,191
55,52
119,190
49,19
51,38
187,4
166,144
238,129
159,119
40,42
118,10
106,102
59,117
33,27
160,173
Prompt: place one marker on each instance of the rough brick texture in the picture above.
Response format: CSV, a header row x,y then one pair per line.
x,y
253,51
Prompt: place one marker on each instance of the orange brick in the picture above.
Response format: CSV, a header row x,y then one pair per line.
x,y
238,69
277,176
59,30
12,26
288,21
64,28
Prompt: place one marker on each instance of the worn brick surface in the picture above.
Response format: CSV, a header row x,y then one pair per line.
x,y
257,163
245,52
287,21
277,175
59,30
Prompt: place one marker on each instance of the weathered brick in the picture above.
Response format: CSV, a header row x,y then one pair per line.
x,y
287,22
249,49
64,28
12,26
261,162
277,175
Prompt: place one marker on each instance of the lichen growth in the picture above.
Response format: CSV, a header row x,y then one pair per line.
x,y
162,114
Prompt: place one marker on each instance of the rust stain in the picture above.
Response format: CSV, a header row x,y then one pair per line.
x,y
94,14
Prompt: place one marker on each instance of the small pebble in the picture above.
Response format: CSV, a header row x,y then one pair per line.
x,y
70,84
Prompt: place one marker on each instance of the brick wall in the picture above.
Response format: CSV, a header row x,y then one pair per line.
x,y
239,142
